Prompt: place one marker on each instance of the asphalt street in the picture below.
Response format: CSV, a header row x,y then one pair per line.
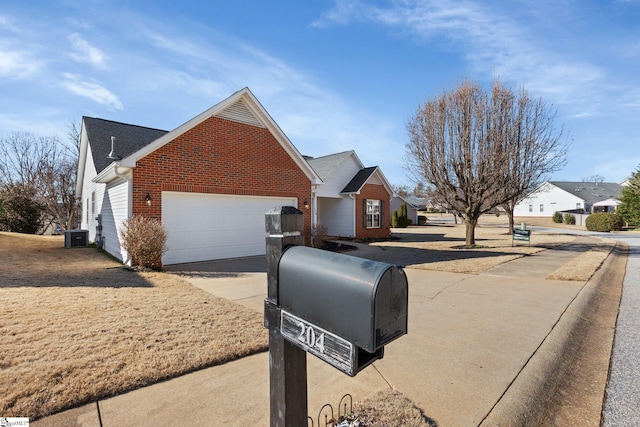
x,y
622,399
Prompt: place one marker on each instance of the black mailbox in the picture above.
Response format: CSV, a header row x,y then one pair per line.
x,y
341,308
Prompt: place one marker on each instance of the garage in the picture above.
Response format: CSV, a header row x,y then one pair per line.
x,y
204,227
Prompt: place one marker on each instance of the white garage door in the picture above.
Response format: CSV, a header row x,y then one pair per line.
x,y
214,226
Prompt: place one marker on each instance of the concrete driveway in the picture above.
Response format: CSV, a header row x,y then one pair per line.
x,y
476,343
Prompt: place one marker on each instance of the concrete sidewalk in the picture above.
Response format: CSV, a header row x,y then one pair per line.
x,y
471,337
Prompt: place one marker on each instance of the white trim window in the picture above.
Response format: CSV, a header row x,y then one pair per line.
x,y
373,214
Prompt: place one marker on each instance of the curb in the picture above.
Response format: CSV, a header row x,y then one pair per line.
x,y
535,390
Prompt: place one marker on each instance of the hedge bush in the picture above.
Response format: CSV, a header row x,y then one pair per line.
x,y
604,222
145,239
557,217
569,219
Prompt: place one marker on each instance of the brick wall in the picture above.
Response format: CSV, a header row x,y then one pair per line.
x,y
219,156
375,192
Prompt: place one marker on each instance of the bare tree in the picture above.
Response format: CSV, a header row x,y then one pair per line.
x,y
42,163
598,179
401,190
451,148
480,150
535,147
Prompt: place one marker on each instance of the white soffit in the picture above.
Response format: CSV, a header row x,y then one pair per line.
x,y
239,112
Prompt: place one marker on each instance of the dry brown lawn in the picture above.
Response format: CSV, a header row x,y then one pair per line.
x,y
390,408
77,327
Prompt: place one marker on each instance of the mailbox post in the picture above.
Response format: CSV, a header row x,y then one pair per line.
x,y
340,308
287,363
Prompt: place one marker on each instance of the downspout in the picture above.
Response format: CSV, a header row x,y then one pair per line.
x,y
353,197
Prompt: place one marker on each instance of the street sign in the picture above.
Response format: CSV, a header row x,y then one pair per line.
x,y
313,339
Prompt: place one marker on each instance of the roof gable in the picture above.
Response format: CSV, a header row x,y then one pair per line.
x,y
370,175
242,107
326,166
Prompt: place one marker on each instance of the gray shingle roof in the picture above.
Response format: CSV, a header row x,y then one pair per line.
x,y
129,139
359,180
591,191
326,165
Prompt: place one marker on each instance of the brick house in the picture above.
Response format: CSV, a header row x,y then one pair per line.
x,y
212,179
353,201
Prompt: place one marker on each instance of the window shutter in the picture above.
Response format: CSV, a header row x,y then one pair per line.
x,y
364,213
382,223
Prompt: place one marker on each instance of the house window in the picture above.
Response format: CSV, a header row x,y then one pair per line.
x,y
541,207
578,205
530,208
373,214
93,204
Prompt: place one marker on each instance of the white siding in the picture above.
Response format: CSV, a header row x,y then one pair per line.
x,y
337,215
215,226
115,210
335,183
546,201
88,187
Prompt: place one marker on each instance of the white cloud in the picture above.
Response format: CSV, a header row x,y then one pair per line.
x,y
491,39
85,52
7,24
18,64
91,89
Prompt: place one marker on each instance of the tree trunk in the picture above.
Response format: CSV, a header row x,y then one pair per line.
x,y
470,236
509,207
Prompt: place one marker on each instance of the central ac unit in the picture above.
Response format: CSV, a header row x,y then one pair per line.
x,y
76,238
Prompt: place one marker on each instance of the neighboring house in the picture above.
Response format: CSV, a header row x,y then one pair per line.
x,y
561,196
210,180
413,207
353,200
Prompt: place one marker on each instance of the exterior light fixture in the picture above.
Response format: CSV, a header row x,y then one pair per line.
x,y
306,204
148,199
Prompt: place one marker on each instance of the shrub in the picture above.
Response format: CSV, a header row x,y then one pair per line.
x,y
394,218
317,234
603,221
557,217
403,219
21,211
569,219
145,239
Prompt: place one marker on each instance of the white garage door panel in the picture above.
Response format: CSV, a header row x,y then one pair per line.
x,y
213,226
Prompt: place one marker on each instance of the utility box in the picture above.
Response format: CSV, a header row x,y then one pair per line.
x,y
341,308
76,238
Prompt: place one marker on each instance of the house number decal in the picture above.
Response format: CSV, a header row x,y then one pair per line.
x,y
308,337
329,347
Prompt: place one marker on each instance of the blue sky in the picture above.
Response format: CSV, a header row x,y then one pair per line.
x,y
335,75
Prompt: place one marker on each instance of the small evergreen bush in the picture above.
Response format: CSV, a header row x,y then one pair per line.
x,y
394,218
403,219
569,219
557,217
604,222
145,239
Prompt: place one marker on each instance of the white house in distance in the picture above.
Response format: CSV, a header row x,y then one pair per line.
x,y
563,196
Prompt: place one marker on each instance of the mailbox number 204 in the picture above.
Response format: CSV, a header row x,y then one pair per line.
x,y
310,337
